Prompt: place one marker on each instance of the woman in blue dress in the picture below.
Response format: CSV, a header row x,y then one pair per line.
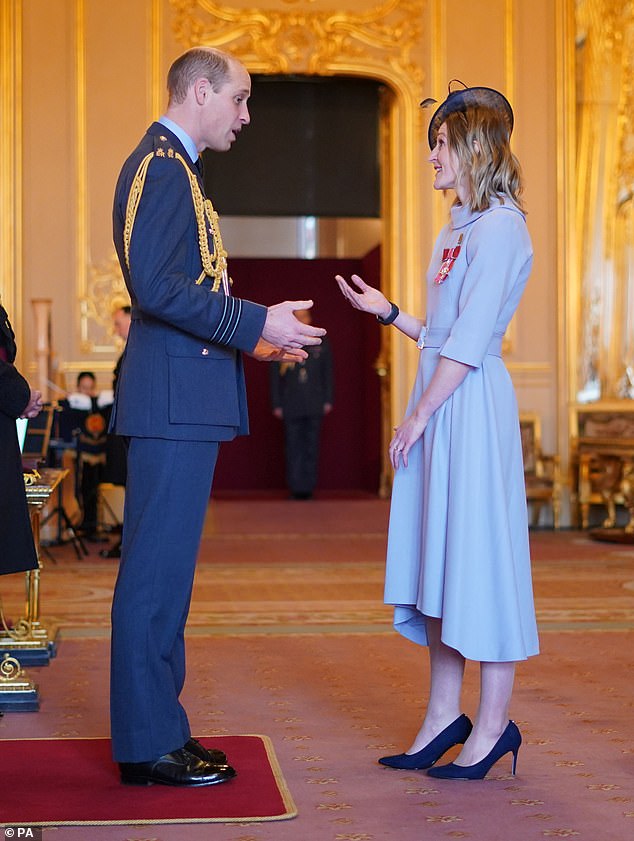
x,y
458,564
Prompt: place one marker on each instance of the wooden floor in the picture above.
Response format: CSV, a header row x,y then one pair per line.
x,y
288,637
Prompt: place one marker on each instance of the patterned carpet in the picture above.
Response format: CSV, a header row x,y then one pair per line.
x,y
288,637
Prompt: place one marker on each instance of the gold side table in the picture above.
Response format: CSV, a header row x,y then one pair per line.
x,y
17,692
29,639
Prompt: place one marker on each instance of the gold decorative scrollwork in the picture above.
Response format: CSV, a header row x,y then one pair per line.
x,y
105,292
31,478
19,631
312,41
10,669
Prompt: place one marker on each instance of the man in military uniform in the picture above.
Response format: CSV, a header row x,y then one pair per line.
x,y
180,393
301,394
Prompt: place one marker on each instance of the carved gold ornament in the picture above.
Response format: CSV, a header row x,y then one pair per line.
x,y
311,37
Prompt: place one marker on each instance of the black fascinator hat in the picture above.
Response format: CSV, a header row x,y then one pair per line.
x,y
460,100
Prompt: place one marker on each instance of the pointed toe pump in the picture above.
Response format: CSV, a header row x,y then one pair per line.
x,y
509,742
455,734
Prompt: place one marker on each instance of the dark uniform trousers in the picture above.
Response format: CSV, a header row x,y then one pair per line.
x,y
302,392
158,558
301,437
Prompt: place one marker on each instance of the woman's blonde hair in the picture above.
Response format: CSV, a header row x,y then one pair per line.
x,y
480,139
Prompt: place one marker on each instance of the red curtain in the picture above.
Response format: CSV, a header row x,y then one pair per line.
x,y
349,455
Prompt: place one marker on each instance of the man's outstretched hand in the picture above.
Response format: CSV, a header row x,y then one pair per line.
x,y
283,330
266,352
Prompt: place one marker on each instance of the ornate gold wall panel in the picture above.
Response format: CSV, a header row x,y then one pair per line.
x,y
311,37
604,196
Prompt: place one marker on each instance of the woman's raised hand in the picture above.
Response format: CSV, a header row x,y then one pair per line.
x,y
366,299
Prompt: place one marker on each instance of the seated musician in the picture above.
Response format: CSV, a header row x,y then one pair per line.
x,y
85,415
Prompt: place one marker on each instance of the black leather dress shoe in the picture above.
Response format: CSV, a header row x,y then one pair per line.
x,y
178,768
215,757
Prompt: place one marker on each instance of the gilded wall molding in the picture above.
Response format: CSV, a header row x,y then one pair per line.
x,y
604,195
310,39
567,264
154,74
100,287
11,161
105,292
82,246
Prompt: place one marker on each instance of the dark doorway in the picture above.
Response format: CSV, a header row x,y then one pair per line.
x,y
310,152
311,149
350,441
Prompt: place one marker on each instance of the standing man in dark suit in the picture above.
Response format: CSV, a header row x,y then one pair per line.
x,y
180,393
301,394
17,400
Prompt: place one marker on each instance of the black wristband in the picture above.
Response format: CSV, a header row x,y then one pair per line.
x,y
392,315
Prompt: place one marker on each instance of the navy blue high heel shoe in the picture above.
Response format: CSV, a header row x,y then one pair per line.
x,y
456,733
509,742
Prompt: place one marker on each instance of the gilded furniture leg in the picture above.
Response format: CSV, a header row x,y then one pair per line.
x,y
627,489
584,489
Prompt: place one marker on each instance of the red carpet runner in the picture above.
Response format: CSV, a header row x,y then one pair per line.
x,y
74,781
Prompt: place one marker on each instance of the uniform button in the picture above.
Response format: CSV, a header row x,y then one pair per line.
x,y
205,351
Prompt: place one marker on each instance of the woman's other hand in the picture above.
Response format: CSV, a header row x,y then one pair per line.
x,y
405,436
366,299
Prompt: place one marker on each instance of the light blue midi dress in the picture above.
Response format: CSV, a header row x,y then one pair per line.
x,y
458,535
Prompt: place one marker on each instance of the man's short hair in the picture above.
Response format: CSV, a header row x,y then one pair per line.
x,y
198,62
83,374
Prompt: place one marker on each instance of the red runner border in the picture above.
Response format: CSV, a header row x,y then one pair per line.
x,y
66,782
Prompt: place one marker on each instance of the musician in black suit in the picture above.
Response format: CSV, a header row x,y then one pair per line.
x,y
180,393
17,399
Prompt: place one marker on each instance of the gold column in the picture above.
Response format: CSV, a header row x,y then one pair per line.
x,y
43,350
11,160
567,264
605,76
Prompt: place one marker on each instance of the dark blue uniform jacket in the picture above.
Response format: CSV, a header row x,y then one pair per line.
x,y
181,376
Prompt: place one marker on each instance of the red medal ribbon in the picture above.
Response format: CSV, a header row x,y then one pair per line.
x,y
449,257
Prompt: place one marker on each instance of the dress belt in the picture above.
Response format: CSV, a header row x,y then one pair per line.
x,y
435,337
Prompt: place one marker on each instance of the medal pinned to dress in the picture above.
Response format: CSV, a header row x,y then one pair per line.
x,y
449,257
